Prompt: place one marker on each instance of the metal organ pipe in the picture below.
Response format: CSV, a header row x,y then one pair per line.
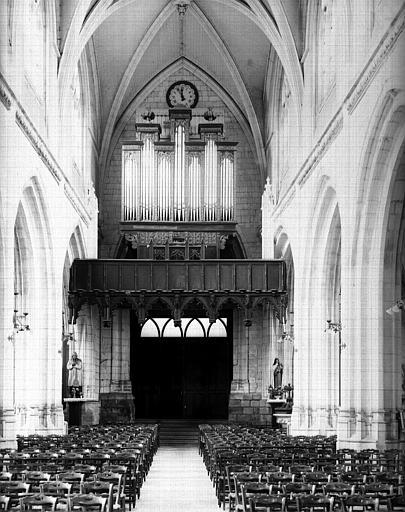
x,y
179,162
158,189
210,181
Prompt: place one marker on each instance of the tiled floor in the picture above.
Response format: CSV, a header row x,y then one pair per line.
x,y
177,482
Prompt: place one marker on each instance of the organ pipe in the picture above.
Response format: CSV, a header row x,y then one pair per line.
x,y
210,181
166,186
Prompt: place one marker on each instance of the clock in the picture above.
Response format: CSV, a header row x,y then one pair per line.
x,y
182,94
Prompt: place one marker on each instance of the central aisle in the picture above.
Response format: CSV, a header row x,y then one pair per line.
x,y
177,482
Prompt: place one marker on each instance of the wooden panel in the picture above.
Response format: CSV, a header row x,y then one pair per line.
x,y
258,277
242,280
128,273
112,276
177,276
143,276
210,278
274,280
80,276
195,278
97,276
159,277
226,277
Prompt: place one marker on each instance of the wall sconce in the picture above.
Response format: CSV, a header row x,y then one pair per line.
x,y
148,116
70,336
286,337
333,326
209,115
107,317
19,321
397,307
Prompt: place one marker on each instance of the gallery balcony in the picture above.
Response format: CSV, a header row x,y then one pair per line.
x,y
139,284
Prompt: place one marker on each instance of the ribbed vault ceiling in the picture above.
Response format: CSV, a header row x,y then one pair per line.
x,y
132,42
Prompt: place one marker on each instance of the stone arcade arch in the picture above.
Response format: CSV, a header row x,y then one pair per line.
x,y
316,369
35,373
372,374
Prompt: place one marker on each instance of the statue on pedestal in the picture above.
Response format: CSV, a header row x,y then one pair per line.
x,y
277,373
75,380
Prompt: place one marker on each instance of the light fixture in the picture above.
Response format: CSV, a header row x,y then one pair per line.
x,y
286,337
209,115
333,326
397,307
148,116
19,321
70,336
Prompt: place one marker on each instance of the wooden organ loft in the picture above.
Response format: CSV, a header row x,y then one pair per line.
x,y
179,256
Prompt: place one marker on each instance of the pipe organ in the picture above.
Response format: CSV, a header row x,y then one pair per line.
x,y
180,177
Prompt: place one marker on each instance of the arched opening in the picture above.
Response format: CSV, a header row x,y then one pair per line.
x,y
33,390
332,311
394,297
181,371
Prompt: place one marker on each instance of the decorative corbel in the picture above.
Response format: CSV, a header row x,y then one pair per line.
x,y
75,303
177,310
248,310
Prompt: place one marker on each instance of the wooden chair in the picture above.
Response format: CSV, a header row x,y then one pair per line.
x,y
396,503
15,490
59,490
380,491
339,491
71,477
87,469
99,488
280,477
38,502
314,502
359,502
118,482
263,503
298,488
35,478
87,503
239,506
318,479
4,502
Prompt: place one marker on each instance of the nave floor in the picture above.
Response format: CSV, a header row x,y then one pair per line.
x,y
177,482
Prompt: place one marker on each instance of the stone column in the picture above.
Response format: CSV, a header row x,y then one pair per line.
x,y
118,402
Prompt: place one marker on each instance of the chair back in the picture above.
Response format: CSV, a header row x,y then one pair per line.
x,y
99,488
4,502
87,503
56,488
38,502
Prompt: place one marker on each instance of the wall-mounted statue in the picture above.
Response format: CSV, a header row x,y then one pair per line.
x,y
277,373
75,380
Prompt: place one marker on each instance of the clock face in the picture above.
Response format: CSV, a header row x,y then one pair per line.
x,y
182,94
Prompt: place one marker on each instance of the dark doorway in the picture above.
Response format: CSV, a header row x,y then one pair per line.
x,y
181,377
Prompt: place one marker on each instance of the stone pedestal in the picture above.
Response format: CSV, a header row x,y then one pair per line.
x,y
117,407
82,411
249,408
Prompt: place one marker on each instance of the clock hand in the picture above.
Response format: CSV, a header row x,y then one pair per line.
x,y
182,95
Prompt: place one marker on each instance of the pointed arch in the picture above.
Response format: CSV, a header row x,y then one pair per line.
x,y
84,25
179,64
35,284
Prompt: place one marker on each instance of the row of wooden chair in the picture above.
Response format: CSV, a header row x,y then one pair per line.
x,y
118,455
285,466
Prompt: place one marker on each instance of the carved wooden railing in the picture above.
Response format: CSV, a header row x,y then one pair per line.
x,y
211,283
